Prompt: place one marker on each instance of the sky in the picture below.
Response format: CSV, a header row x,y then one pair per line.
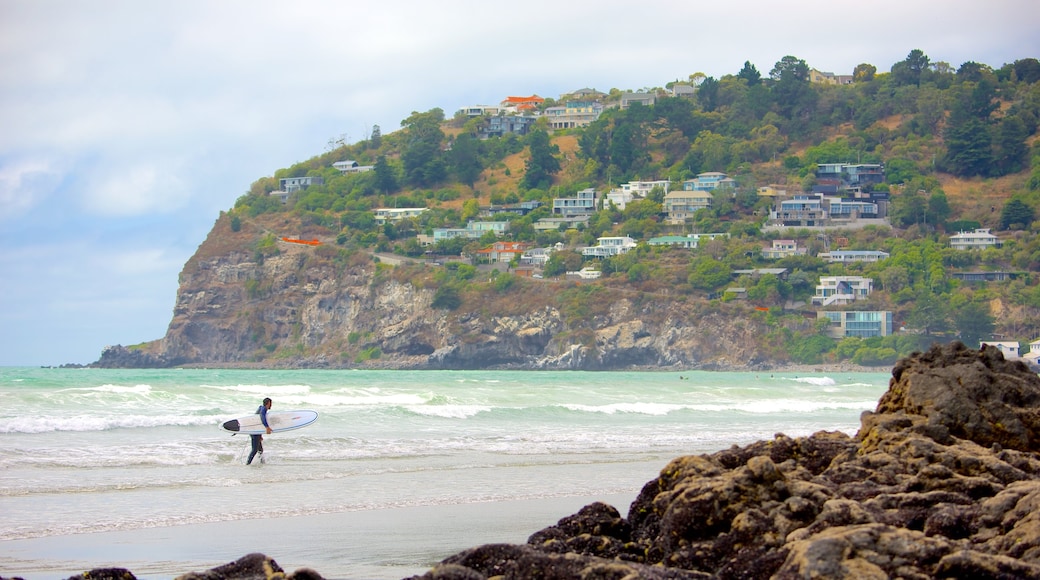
x,y
126,127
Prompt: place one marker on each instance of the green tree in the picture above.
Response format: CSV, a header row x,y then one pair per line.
x,y
708,94
750,74
973,323
708,274
375,141
542,163
422,157
465,159
929,313
386,179
1016,215
864,73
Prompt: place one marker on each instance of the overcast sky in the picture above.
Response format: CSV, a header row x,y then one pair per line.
x,y
126,127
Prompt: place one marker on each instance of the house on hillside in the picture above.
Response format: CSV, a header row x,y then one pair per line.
x,y
861,324
351,166
609,246
645,99
680,205
689,241
573,114
845,256
501,125
1008,348
503,252
828,78
710,181
782,249
393,214
842,290
979,239
582,204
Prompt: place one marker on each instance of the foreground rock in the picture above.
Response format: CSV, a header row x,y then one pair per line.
x,y
941,481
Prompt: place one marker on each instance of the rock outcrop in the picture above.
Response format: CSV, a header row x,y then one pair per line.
x,y
941,481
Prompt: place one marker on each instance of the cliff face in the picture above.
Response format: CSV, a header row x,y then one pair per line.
x,y
305,306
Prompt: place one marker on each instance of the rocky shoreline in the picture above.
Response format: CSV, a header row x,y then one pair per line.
x,y
941,481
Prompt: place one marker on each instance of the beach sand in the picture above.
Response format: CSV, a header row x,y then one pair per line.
x,y
378,544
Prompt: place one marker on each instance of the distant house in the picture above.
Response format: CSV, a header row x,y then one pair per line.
x,y
689,241
995,276
709,181
1008,349
473,230
351,166
585,94
681,205
503,252
609,246
861,324
501,125
976,240
573,114
292,184
393,214
521,104
845,256
841,290
478,110
850,174
1033,355
828,78
645,99
783,249
800,211
684,90
585,273
558,223
582,204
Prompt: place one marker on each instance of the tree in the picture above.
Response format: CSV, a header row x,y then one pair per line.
x,y
422,157
910,70
929,313
1016,215
750,74
542,164
376,140
974,323
465,159
864,73
708,94
386,180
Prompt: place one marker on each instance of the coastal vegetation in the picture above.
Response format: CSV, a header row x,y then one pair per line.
x,y
958,145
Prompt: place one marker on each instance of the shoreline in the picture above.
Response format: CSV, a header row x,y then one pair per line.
x,y
385,544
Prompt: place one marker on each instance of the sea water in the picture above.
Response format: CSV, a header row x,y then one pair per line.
x,y
120,454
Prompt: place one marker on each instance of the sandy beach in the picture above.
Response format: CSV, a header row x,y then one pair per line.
x,y
380,544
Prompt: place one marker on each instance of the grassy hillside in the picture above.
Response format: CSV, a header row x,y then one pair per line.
x,y
959,149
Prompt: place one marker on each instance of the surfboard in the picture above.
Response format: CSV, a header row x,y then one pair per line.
x,y
278,420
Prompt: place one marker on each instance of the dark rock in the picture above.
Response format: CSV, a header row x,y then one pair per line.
x,y
941,481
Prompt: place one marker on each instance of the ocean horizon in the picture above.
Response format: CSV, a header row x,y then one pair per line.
x,y
99,464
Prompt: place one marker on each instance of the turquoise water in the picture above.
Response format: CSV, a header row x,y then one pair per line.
x,y
99,451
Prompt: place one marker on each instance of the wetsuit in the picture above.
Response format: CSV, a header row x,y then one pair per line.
x,y
257,441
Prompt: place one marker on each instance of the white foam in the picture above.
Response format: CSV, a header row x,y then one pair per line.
x,y
656,409
819,381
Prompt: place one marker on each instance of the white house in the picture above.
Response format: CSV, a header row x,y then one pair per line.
x,y
1007,348
854,256
976,240
609,246
841,290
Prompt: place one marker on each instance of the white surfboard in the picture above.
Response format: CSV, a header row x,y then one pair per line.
x,y
278,420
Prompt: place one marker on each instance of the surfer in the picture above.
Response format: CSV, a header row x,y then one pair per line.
x,y
257,441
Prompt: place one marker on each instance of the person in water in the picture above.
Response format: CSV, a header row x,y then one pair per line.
x,y
257,441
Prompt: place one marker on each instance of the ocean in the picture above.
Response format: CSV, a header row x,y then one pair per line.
x,y
130,468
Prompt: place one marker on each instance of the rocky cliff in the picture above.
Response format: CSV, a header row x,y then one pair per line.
x,y
290,305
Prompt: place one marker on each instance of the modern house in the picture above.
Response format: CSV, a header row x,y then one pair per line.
x,y
862,324
846,256
709,181
351,166
850,175
828,78
783,249
645,99
609,246
500,125
479,110
573,114
582,204
977,240
800,211
680,205
393,214
689,241
473,230
292,184
841,290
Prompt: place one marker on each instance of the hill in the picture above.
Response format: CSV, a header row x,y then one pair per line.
x,y
958,152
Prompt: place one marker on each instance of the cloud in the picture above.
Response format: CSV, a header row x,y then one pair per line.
x,y
24,184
